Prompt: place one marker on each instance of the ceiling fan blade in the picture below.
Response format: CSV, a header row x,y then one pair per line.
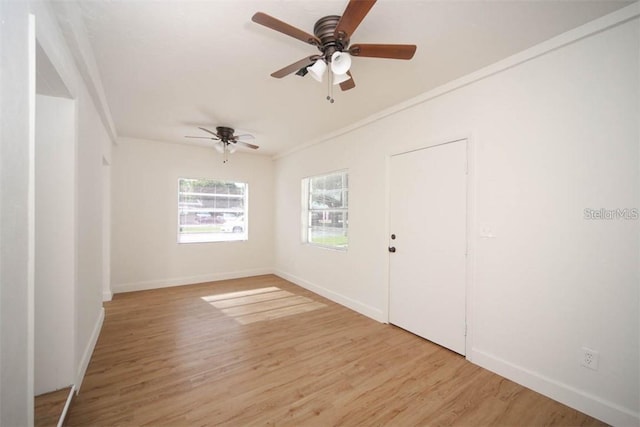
x,y
348,84
284,28
294,67
391,51
202,137
352,17
210,131
244,137
246,144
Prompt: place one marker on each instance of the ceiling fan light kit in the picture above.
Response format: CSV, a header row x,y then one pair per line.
x,y
317,70
331,35
339,78
340,62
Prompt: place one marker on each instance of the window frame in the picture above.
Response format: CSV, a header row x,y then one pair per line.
x,y
308,210
213,236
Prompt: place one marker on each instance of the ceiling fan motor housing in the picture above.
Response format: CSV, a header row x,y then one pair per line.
x,y
324,29
225,133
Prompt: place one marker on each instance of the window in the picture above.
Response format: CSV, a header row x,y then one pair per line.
x,y
212,211
326,214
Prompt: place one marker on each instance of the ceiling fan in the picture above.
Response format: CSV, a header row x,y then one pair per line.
x,y
331,35
228,142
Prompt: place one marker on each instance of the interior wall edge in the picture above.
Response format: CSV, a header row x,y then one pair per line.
x,y
594,406
88,351
364,309
187,280
77,41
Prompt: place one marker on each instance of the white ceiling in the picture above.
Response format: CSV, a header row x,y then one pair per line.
x,y
168,67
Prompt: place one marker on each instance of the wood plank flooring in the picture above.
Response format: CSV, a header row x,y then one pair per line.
x,y
264,352
49,407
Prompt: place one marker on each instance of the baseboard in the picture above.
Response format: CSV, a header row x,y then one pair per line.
x,y
188,280
107,296
67,404
354,305
594,406
88,351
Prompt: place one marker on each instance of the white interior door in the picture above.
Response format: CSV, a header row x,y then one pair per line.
x,y
428,218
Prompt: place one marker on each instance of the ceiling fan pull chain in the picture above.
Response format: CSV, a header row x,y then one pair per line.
x,y
331,77
330,86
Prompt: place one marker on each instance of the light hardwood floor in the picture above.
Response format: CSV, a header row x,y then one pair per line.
x,y
262,351
49,407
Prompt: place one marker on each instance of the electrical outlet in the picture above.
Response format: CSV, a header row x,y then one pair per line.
x,y
589,358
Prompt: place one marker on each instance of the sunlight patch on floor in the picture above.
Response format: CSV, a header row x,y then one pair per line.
x,y
257,305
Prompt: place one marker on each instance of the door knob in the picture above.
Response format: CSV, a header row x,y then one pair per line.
x,y
392,249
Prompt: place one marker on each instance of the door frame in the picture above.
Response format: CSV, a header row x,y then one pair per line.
x,y
471,226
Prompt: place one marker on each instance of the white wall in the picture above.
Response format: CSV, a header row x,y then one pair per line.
x,y
93,145
16,389
55,237
553,133
16,299
144,227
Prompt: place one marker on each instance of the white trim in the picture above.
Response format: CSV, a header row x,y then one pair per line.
x,y
618,17
187,280
594,406
66,407
88,351
107,296
343,300
428,144
31,221
471,245
387,226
